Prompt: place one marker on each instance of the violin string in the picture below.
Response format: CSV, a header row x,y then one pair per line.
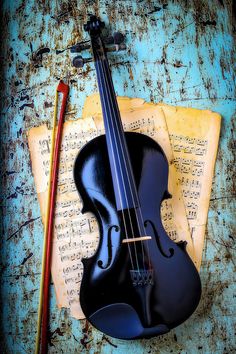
x,y
147,243
116,174
107,92
130,219
132,177
128,175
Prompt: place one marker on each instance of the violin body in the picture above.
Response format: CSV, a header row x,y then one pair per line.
x,y
121,294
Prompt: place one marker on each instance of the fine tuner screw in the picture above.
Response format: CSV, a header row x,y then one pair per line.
x,y
79,61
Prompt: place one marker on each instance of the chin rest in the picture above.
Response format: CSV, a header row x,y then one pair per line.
x,y
122,321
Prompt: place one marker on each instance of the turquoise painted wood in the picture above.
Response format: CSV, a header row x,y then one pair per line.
x,y
180,53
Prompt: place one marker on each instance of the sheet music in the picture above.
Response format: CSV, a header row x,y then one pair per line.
x,y
75,234
194,136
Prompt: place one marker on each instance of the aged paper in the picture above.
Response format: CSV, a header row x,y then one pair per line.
x,y
76,235
194,136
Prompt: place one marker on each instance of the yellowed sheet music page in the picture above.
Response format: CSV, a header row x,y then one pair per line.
x,y
194,136
75,234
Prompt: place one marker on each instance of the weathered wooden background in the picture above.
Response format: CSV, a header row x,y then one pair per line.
x,y
179,52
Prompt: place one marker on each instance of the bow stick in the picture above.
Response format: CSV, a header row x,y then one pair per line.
x,y
43,310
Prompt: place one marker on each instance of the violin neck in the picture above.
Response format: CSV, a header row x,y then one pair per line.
x,y
122,174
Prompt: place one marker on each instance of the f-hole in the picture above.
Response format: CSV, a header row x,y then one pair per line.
x,y
171,250
109,248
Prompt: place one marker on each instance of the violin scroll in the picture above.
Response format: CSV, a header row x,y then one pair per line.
x,y
100,44
94,25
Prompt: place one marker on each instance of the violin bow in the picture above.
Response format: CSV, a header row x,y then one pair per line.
x,y
43,308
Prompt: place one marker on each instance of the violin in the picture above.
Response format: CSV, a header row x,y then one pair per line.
x,y
139,283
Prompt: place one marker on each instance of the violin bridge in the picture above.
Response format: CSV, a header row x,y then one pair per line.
x,y
134,239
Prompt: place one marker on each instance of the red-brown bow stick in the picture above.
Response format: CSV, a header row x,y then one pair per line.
x,y
64,89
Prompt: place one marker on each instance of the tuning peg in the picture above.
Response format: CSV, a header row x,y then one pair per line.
x,y
78,61
76,48
116,47
79,47
117,38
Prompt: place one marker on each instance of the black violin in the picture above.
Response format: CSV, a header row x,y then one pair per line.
x,y
139,283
